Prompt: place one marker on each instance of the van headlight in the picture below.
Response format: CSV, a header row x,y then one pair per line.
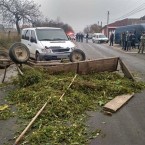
x,y
48,50
44,50
72,48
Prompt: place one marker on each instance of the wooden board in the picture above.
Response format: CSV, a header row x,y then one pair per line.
x,y
100,65
66,68
117,102
125,70
82,67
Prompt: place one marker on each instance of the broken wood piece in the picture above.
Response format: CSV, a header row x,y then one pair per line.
x,y
30,124
125,70
68,87
117,102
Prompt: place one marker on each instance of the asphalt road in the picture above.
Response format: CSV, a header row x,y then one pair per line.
x,y
126,126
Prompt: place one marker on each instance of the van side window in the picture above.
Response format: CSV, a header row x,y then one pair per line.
x,y
27,35
23,34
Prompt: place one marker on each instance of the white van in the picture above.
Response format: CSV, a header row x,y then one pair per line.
x,y
47,43
99,38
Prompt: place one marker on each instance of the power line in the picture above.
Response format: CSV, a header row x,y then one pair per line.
x,y
136,10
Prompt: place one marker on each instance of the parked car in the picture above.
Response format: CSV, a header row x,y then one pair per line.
x,y
99,38
47,43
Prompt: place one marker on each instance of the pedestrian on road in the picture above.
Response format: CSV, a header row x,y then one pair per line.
x,y
133,38
126,41
87,36
111,39
123,40
142,43
129,41
81,37
77,37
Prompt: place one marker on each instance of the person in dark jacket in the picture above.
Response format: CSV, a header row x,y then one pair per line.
x,y
111,39
133,40
126,41
123,40
87,37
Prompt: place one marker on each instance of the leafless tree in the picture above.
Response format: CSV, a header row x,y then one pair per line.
x,y
94,28
54,23
16,11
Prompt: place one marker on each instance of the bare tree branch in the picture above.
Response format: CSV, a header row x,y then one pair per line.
x,y
16,10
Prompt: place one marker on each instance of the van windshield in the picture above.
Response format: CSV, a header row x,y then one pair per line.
x,y
51,34
102,36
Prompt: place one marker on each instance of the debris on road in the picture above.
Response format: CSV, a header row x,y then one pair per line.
x,y
117,102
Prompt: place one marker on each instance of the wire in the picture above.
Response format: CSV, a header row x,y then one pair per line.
x,y
136,10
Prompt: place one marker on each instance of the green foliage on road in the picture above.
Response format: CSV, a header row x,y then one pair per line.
x,y
5,112
63,122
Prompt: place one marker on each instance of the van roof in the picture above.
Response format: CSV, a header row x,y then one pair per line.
x,y
34,28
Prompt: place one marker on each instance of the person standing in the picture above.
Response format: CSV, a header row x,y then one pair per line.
x,y
111,39
123,40
87,37
133,40
81,37
129,40
142,43
126,41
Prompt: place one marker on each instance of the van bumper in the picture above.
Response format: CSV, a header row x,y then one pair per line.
x,y
54,56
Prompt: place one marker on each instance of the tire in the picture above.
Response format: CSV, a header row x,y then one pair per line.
x,y
4,55
77,55
19,53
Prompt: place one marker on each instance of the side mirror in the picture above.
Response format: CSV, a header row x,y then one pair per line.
x,y
33,40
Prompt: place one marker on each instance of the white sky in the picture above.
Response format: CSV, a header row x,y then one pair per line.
x,y
80,13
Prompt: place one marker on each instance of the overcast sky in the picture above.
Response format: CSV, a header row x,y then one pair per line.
x,y
80,13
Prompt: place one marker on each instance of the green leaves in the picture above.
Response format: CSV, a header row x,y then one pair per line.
x,y
5,112
63,122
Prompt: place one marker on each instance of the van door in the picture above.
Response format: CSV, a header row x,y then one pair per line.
x,y
34,44
26,40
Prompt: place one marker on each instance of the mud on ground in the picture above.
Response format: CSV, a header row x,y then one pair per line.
x,y
7,127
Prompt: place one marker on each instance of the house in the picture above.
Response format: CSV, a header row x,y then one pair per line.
x,y
107,30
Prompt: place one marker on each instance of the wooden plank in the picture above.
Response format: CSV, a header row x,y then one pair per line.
x,y
125,70
70,67
117,102
99,65
83,67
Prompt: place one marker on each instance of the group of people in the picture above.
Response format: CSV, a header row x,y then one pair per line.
x,y
79,37
128,40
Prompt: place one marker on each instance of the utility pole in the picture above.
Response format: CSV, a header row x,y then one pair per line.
x,y
108,13
101,24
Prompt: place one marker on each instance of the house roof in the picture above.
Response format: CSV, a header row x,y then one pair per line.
x,y
125,22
